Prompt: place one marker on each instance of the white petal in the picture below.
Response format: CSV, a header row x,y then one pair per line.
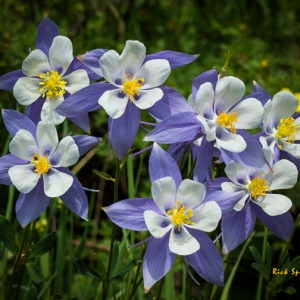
x,y
76,81
209,133
23,177
250,113
47,137
155,72
293,149
268,153
284,175
48,113
241,203
284,105
112,104
157,225
132,57
61,53
183,243
206,217
235,171
204,99
164,193
26,90
190,193
274,204
56,183
66,154
268,117
111,67
35,63
229,187
148,98
23,145
229,90
231,142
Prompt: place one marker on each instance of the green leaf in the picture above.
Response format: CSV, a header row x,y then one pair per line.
x,y
123,271
33,292
7,234
104,175
261,269
82,268
259,264
116,255
35,273
43,246
289,290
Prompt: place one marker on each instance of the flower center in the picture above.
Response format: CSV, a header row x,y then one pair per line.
x,y
258,187
287,130
51,85
180,216
41,163
131,86
227,120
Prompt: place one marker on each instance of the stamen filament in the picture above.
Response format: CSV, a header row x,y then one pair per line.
x,y
179,215
228,120
51,85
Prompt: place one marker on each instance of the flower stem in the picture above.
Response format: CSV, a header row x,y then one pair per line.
x,y
18,268
264,254
119,166
227,286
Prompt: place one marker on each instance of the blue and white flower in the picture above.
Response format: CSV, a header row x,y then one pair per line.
x,y
248,195
49,74
37,166
281,127
133,83
214,125
176,218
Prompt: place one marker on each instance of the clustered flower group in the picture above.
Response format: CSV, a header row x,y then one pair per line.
x,y
212,125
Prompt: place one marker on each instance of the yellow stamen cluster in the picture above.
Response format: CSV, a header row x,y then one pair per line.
x,y
227,120
51,85
287,130
258,187
41,163
131,86
180,216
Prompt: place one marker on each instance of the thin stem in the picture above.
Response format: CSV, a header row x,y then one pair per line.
x,y
264,254
113,233
130,178
10,203
16,278
229,281
60,251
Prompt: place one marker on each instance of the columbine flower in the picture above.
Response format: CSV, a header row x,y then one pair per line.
x,y
37,166
134,82
217,119
250,190
176,219
281,128
49,74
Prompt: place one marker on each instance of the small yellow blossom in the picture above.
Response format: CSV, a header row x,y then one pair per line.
x,y
264,63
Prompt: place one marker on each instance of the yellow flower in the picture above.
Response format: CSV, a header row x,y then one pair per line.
x,y
264,63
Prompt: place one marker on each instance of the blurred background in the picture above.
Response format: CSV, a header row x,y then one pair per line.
x,y
262,37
